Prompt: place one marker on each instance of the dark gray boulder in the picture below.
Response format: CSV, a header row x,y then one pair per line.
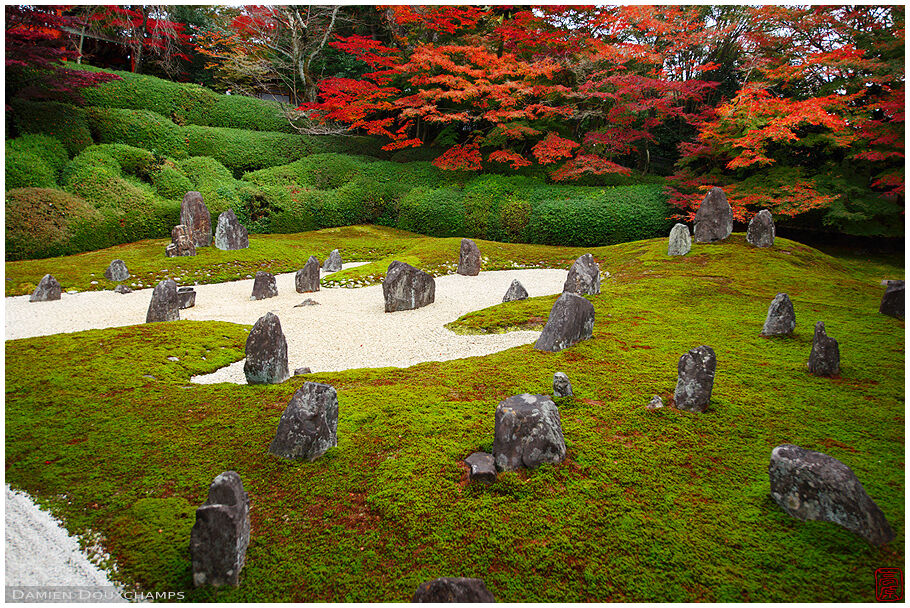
x,y
48,289
571,320
230,234
181,242
266,352
561,385
309,425
468,258
813,485
264,286
450,590
824,360
221,534
333,262
761,229
893,300
714,218
122,289
195,215
781,319
117,271
584,277
164,306
407,288
186,297
482,465
695,379
680,240
307,278
527,433
516,291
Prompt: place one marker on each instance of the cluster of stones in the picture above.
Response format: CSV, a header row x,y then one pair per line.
x,y
714,222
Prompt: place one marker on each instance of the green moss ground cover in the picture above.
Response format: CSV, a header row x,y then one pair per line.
x,y
649,506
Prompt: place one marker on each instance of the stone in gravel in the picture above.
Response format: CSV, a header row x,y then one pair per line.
x,y
761,229
48,289
230,234
781,319
266,352
300,371
307,302
527,433
824,360
680,240
714,218
571,320
584,277
181,242
655,403
309,425
451,590
515,292
893,300
696,379
221,534
195,215
264,286
307,278
164,305
122,289
117,271
561,385
333,262
186,297
483,467
407,288
813,485
468,259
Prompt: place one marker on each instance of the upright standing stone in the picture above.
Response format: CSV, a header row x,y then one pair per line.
x,y
309,425
48,289
561,385
527,433
696,379
584,277
680,240
407,288
781,319
266,352
468,258
230,234
714,218
307,278
824,360
515,292
893,300
813,485
195,215
761,229
186,297
165,305
333,262
571,320
117,271
453,590
221,534
181,242
264,286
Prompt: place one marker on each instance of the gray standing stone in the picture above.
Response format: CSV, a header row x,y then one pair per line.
x,y
714,218
893,300
781,319
561,385
307,278
266,352
221,534
761,229
696,379
527,433
122,289
264,286
309,425
449,590
230,234
813,485
680,240
468,258
584,277
164,306
181,242
407,288
483,467
186,297
824,360
571,320
655,403
333,262
117,271
195,215
515,292
48,289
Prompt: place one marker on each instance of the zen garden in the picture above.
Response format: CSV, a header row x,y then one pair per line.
x,y
455,303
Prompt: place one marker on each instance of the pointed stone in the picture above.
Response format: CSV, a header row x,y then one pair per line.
x,y
468,258
824,360
48,289
407,288
515,292
561,385
307,278
264,286
655,403
449,590
117,271
181,242
893,300
266,352
761,229
230,234
680,240
195,215
164,306
714,218
571,320
221,534
527,433
333,262
309,425
695,380
781,319
584,277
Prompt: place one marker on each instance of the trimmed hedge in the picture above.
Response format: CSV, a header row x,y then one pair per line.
x,y
44,222
27,170
67,124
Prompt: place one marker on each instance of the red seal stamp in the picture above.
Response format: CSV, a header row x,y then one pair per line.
x,y
889,585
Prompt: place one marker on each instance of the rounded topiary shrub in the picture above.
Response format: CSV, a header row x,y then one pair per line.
x,y
27,170
214,181
139,128
514,217
171,183
65,123
240,150
434,212
47,148
42,222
